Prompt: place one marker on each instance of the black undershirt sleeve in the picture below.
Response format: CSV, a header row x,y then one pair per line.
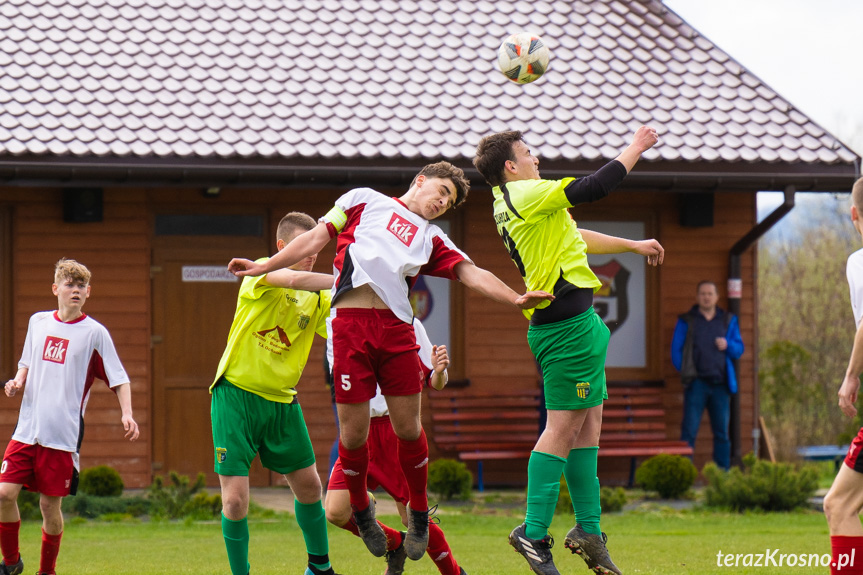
x,y
597,185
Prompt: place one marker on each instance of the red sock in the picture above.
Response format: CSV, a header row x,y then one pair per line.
x,y
846,560
414,458
50,550
440,552
394,538
9,541
355,464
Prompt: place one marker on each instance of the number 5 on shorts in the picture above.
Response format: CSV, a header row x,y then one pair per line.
x,y
346,381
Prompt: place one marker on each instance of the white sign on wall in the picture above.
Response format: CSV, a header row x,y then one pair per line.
x,y
208,274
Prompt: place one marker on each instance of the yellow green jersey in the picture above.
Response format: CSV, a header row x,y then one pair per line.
x,y
543,240
270,338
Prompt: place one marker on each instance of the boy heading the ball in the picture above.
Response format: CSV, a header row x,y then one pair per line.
x,y
567,337
64,351
384,243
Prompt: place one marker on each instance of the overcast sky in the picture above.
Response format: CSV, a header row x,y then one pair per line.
x,y
809,51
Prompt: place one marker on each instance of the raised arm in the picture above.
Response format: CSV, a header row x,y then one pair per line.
x,y
644,139
490,286
294,279
303,246
598,243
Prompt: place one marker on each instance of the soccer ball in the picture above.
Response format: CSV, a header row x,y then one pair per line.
x,y
523,57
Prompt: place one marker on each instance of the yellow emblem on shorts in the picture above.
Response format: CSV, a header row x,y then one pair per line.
x,y
221,454
582,389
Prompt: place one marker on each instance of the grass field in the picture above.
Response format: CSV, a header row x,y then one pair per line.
x,y
651,539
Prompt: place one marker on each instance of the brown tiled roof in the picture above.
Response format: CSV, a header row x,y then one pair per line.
x,y
357,80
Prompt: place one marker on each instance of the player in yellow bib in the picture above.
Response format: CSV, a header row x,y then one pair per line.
x,y
254,408
567,337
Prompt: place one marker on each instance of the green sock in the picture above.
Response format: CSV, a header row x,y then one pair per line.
x,y
583,485
313,521
543,488
236,534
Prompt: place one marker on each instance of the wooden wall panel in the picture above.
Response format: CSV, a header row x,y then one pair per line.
x,y
118,251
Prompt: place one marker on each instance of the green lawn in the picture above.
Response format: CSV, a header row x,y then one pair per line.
x,y
649,540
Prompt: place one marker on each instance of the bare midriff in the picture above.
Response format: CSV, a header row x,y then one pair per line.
x,y
363,297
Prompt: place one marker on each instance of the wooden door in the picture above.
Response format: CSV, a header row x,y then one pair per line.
x,y
192,312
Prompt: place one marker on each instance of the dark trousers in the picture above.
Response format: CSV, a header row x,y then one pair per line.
x,y
716,398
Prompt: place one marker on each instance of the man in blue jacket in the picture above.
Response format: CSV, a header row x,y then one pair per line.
x,y
706,340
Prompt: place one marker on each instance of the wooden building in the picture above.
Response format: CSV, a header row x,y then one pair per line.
x,y
154,143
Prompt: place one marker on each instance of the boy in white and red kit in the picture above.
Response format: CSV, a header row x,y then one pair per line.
x,y
63,352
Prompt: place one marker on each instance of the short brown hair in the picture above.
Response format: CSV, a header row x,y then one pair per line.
x,y
857,195
445,170
66,269
292,222
492,152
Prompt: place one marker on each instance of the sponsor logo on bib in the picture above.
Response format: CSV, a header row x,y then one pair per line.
x,y
402,229
55,349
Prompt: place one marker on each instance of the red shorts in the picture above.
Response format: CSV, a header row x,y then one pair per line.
x,y
384,468
373,347
853,459
39,469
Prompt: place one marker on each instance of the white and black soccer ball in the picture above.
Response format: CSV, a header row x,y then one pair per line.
x,y
523,57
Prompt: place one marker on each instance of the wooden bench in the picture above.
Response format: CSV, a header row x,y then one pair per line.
x,y
480,426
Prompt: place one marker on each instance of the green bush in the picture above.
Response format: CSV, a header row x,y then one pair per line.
x,y
668,475
101,481
450,479
91,506
28,506
179,497
612,499
762,485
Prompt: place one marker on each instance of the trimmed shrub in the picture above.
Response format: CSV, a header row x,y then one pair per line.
x,y
668,475
612,499
450,479
179,497
762,485
28,505
92,507
101,481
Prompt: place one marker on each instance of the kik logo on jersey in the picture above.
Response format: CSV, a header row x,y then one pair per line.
x,y
582,389
55,349
402,229
221,454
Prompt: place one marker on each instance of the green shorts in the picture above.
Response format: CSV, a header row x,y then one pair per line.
x,y
572,354
245,424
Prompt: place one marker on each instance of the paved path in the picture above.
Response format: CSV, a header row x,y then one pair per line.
x,y
282,499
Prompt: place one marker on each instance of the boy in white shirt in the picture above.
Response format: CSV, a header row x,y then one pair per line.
x,y
63,351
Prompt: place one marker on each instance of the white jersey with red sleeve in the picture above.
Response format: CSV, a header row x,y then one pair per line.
x,y
854,272
63,359
377,404
383,244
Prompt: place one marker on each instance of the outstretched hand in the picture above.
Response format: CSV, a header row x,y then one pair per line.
x,y
652,250
532,299
242,267
848,395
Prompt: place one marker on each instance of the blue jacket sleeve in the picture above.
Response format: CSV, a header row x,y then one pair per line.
x,y
735,342
677,343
